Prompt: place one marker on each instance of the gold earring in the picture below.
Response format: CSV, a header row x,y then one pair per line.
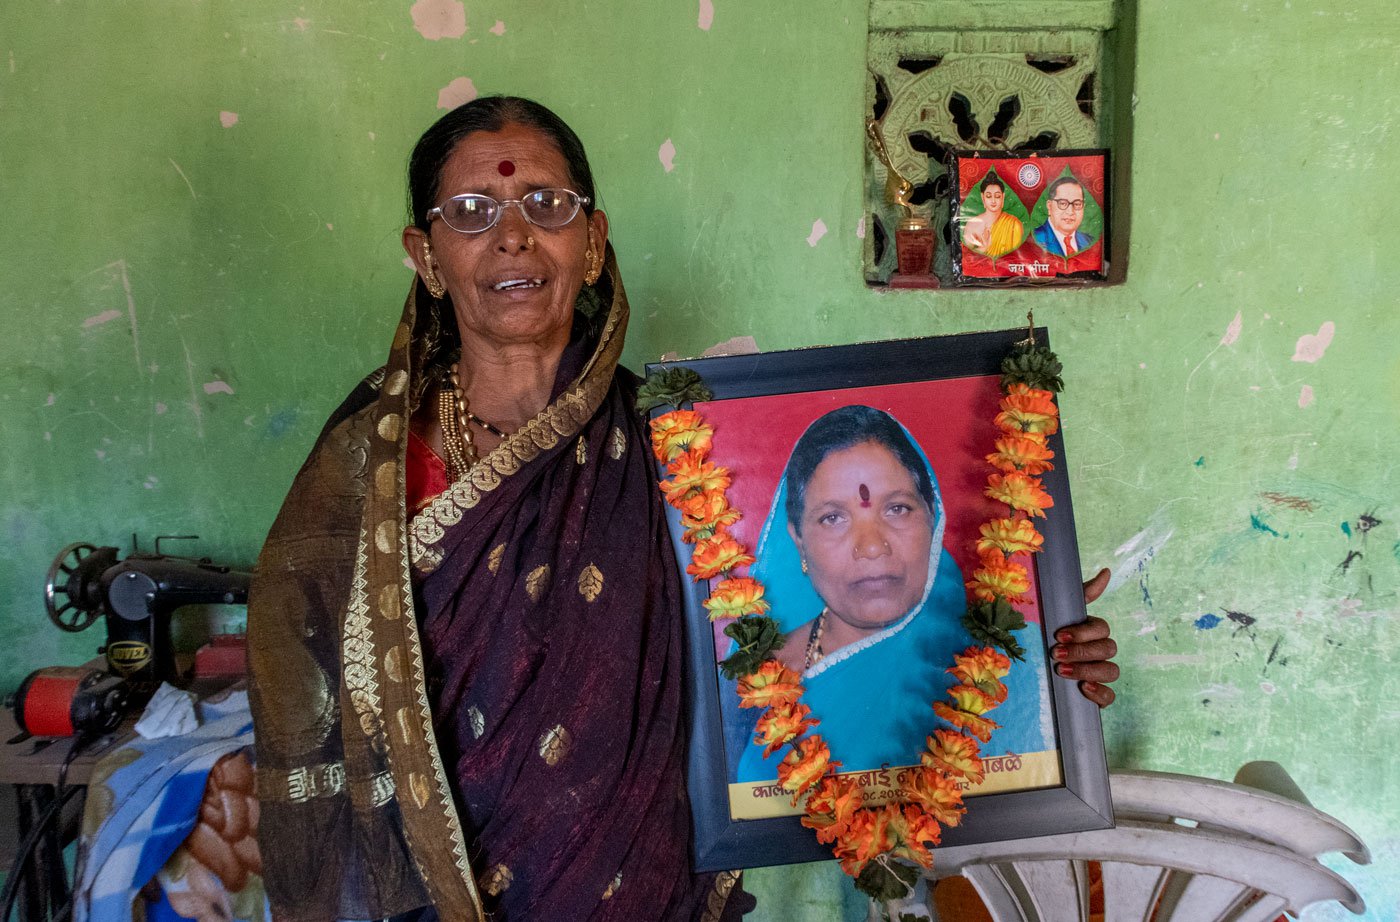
x,y
804,564
435,286
595,262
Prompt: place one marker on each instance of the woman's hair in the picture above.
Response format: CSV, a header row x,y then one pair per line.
x,y
489,113
844,428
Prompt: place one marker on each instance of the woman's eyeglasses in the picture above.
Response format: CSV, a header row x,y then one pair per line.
x,y
475,214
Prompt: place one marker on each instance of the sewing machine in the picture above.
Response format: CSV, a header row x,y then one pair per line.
x,y
135,597
76,713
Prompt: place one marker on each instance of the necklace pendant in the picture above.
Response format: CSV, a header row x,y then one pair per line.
x,y
814,642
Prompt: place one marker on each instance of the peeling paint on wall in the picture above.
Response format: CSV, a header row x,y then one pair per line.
x,y
1132,557
456,93
100,319
1232,332
1311,346
228,119
667,154
818,232
707,14
737,345
439,19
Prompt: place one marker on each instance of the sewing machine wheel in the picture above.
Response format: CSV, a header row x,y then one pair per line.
x,y
72,613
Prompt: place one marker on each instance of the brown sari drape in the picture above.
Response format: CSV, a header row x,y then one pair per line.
x,y
523,754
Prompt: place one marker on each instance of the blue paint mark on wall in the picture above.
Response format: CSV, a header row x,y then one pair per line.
x,y
282,422
1201,461
1346,529
1259,524
1206,622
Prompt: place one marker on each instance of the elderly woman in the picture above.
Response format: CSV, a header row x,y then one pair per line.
x,y
466,627
871,603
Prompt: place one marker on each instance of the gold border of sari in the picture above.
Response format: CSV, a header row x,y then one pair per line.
x,y
386,552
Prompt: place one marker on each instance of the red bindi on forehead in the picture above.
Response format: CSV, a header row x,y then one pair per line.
x,y
864,496
505,168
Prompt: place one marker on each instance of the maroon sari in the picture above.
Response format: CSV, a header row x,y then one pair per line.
x,y
517,741
552,638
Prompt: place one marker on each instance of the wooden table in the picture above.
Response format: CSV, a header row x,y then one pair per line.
x,y
32,768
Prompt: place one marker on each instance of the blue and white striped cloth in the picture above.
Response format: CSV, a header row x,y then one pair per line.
x,y
145,795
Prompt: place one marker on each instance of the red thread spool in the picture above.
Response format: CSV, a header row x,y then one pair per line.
x,y
64,700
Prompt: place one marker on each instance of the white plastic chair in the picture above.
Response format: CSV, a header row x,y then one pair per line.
x,y
1184,849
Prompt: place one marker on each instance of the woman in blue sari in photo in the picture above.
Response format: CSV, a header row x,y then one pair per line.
x,y
870,603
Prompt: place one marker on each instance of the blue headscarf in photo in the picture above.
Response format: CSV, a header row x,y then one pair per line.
x,y
874,697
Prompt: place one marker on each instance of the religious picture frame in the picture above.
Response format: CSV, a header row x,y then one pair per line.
x,y
1020,218
890,601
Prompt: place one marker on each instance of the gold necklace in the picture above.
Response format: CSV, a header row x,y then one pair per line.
x,y
455,417
456,438
814,642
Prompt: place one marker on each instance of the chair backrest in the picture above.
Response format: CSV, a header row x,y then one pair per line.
x,y
1184,850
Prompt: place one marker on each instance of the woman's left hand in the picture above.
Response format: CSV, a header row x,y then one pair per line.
x,y
1085,651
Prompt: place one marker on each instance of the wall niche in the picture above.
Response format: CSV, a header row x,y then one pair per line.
x,y
994,75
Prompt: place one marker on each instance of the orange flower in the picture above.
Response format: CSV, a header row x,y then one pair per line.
x,y
998,577
702,514
983,667
955,754
831,806
1025,409
937,793
736,597
1022,453
867,835
914,830
972,700
772,684
1010,536
1019,491
691,475
780,724
979,727
717,554
804,766
678,431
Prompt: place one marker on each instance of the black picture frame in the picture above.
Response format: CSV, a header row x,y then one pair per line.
x,y
1081,802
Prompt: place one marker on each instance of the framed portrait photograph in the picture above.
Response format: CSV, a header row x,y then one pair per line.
x,y
1036,217
859,473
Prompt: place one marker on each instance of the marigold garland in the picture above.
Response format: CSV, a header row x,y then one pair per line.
x,y
1010,536
869,839
736,597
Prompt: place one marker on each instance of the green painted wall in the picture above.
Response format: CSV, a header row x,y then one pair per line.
x,y
188,292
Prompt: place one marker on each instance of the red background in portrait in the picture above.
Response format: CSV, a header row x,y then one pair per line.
x,y
951,420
